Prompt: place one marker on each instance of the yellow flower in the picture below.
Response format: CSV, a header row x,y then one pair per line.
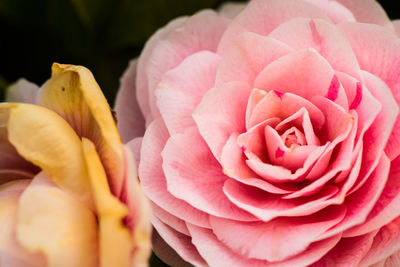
x,y
69,194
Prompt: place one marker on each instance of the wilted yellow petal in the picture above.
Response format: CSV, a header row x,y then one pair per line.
x,y
11,252
45,139
53,222
115,239
74,94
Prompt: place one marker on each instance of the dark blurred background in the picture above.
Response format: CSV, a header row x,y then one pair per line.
x,y
102,35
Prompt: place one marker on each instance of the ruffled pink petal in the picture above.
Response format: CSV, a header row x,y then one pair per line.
x,y
348,252
291,158
276,240
267,206
231,9
222,112
234,165
181,89
367,11
335,11
169,219
301,33
386,208
130,120
386,242
360,203
217,254
192,36
304,73
378,52
166,253
135,146
396,25
281,105
179,242
391,261
262,16
153,181
142,83
189,164
248,56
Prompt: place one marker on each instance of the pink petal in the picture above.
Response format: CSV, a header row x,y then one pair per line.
x,y
189,164
360,203
248,56
274,104
169,219
268,206
181,89
348,252
180,243
368,11
396,25
262,17
192,36
130,120
276,240
222,112
305,74
217,254
335,11
386,242
142,83
234,166
231,9
301,33
378,52
153,181
386,208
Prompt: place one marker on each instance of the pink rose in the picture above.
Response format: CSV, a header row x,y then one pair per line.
x,y
271,137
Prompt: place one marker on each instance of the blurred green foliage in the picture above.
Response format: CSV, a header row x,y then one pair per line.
x,y
101,35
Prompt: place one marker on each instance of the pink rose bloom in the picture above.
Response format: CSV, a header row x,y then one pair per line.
x,y
272,135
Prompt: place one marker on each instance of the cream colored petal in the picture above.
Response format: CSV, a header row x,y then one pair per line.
x,y
74,94
45,139
139,213
115,239
11,251
53,222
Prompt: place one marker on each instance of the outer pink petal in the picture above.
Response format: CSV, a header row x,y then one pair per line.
x,y
304,73
194,175
262,16
152,177
248,56
267,206
222,112
216,254
276,240
360,203
367,11
378,52
193,36
231,9
396,25
386,208
335,11
301,33
181,89
22,91
142,83
386,242
130,119
348,252
180,243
